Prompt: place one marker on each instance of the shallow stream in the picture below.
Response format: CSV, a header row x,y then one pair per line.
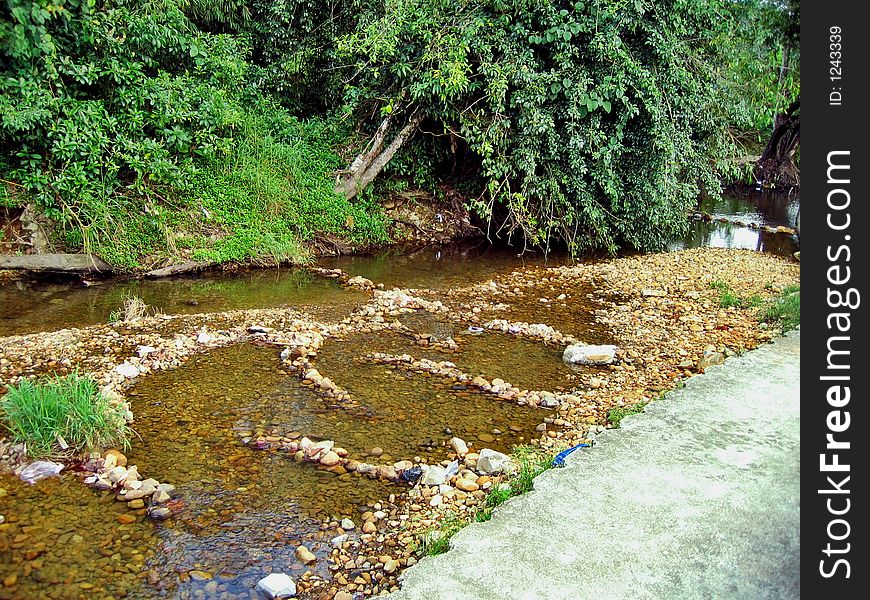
x,y
245,511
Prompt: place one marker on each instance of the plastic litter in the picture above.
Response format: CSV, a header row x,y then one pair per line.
x,y
475,329
411,475
40,470
559,461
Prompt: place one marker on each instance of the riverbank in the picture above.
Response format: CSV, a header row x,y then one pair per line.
x,y
667,313
697,497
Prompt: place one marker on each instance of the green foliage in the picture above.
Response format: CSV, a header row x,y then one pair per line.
x,y
270,193
126,124
762,75
785,310
593,122
68,408
145,128
293,50
616,414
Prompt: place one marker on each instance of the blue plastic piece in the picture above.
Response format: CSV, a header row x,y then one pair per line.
x,y
559,461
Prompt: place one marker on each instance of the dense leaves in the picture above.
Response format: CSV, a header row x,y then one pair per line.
x,y
595,122
152,127
113,113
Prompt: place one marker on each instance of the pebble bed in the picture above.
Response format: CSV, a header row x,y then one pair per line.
x,y
659,309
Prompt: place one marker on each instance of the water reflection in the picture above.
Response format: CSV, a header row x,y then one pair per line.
x,y
750,206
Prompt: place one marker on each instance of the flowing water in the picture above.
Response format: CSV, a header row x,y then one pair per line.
x,y
245,511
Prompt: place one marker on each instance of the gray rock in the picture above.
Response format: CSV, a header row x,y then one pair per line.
x,y
709,359
548,401
40,470
166,487
583,354
160,514
492,462
338,540
277,585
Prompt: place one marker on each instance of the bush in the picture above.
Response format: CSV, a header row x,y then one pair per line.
x,y
62,410
128,126
594,123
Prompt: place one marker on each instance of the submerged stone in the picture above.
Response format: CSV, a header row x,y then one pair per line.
x,y
277,585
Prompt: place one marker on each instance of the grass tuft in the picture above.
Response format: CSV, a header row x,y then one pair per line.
x,y
59,411
616,414
785,310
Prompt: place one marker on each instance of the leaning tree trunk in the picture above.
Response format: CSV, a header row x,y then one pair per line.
x,y
776,167
372,161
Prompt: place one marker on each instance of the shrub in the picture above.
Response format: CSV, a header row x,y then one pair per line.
x,y
59,411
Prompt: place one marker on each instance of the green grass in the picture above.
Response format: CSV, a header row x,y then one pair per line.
x,y
727,296
272,193
69,408
261,195
616,414
784,310
531,461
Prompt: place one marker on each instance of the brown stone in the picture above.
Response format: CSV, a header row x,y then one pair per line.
x,y
330,459
126,519
305,555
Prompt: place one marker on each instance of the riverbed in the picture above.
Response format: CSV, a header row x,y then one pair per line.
x,y
203,404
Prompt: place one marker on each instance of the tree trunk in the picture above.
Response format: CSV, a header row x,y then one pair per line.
x,y
776,168
372,161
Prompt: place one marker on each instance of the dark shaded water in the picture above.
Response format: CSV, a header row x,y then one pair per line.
x,y
749,205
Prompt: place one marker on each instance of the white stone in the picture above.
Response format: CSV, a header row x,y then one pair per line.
x,y
347,524
326,445
548,401
492,462
589,355
459,446
277,585
433,475
204,337
127,370
144,351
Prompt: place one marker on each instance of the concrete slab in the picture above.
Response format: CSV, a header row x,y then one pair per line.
x,y
698,497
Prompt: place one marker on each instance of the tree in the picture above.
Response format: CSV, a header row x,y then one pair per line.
x,y
776,166
594,123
